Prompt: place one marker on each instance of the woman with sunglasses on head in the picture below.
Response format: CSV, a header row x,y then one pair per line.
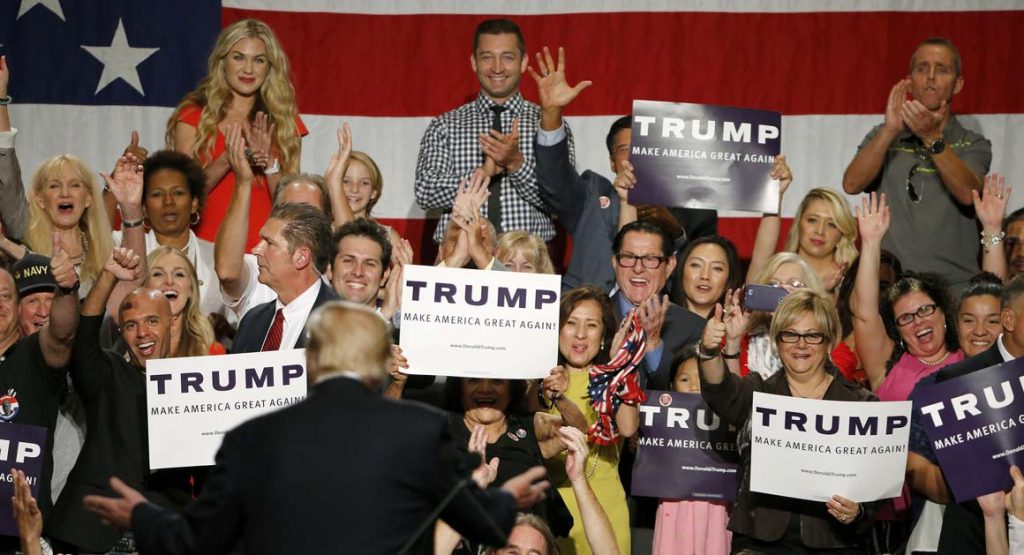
x,y
803,330
748,347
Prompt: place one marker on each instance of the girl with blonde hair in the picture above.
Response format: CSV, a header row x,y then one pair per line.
x,y
65,198
248,85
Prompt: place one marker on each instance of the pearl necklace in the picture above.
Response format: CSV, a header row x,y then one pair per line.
x,y
936,363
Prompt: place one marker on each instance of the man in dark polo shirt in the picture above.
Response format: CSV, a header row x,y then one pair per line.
x,y
32,368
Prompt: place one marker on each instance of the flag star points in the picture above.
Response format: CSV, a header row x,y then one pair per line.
x,y
52,5
120,60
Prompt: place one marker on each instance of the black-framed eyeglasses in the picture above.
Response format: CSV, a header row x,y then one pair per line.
x,y
649,261
810,338
922,311
915,197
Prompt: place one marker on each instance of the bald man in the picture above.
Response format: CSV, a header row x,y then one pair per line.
x,y
112,386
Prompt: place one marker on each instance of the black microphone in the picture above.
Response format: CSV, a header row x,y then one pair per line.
x,y
463,463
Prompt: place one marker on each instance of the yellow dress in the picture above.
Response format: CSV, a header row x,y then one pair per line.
x,y
602,471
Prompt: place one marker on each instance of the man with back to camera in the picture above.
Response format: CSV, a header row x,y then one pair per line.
x,y
928,164
494,131
291,482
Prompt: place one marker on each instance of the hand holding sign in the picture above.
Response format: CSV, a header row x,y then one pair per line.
x,y
843,509
625,180
552,86
60,265
1015,497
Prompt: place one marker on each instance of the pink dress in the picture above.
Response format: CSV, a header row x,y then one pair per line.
x,y
905,374
692,528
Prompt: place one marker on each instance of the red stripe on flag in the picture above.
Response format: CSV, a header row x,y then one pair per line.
x,y
798,63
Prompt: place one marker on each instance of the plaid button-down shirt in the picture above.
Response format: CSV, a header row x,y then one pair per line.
x,y
450,151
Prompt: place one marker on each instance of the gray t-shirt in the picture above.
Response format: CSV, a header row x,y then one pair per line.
x,y
936,233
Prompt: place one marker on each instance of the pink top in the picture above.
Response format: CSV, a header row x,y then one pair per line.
x,y
906,373
692,528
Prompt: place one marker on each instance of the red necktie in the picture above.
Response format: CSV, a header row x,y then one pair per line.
x,y
273,340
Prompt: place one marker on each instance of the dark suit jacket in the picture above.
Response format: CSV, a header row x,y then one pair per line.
x,y
588,207
252,330
345,471
963,524
114,395
681,328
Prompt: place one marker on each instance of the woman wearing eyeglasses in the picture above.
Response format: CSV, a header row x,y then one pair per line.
x,y
804,329
748,346
912,333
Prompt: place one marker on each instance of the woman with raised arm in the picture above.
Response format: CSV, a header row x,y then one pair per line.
x,y
803,329
911,334
248,84
824,233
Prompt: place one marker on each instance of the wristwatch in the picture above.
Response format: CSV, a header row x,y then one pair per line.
x,y
937,146
701,355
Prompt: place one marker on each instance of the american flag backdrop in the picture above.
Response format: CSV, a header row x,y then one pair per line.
x,y
85,73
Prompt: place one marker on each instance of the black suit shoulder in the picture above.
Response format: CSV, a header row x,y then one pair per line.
x,y
988,357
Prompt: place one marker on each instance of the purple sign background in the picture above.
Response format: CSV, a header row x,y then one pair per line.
x,y
727,170
17,434
684,463
976,452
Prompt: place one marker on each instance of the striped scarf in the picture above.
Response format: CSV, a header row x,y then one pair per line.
x,y
617,382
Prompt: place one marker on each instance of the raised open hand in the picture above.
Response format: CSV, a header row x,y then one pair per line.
x,y
873,217
126,183
26,510
990,205
652,318
552,86
470,196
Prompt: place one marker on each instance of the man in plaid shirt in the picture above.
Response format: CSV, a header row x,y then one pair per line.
x,y
486,133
